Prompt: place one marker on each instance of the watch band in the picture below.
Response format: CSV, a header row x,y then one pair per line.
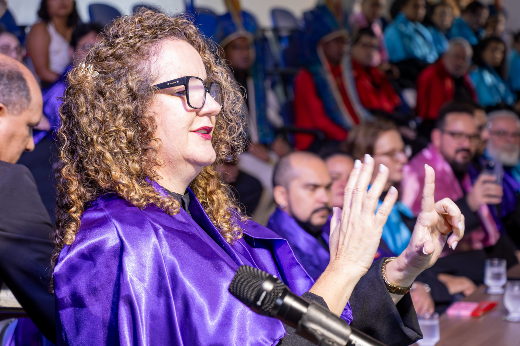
x,y
394,289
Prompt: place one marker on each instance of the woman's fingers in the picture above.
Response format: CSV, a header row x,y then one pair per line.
x,y
335,225
451,213
386,207
428,201
360,190
349,191
372,197
457,235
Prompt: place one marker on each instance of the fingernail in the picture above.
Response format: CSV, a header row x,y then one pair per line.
x,y
382,168
392,190
426,166
357,164
460,225
454,245
367,157
424,251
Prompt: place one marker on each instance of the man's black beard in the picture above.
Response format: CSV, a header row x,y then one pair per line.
x,y
460,169
313,230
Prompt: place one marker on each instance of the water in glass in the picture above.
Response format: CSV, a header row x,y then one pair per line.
x,y
495,275
430,329
512,301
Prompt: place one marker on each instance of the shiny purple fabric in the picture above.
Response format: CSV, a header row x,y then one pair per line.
x,y
142,277
307,249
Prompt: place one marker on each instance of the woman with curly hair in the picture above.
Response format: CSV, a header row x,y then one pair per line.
x,y
148,238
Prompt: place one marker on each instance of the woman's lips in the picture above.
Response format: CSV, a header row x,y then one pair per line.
x,y
204,132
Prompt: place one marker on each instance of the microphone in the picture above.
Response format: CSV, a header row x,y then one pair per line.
x,y
266,295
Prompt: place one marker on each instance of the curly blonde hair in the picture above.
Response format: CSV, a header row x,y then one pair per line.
x,y
107,142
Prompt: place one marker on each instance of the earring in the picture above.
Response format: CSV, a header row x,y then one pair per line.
x,y
282,206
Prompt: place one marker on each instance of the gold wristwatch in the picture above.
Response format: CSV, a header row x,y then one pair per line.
x,y
394,289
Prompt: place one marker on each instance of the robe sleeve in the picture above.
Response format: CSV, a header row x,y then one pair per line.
x,y
376,314
112,290
394,44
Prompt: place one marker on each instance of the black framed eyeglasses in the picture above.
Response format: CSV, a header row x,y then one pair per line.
x,y
461,136
194,90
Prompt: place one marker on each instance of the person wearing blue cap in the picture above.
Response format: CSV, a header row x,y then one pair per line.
x,y
410,45
325,96
470,25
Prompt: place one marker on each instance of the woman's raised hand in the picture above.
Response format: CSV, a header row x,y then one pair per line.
x,y
434,224
355,234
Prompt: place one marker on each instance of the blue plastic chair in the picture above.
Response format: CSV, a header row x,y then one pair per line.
x,y
102,14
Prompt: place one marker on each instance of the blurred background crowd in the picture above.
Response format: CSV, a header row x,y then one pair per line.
x,y
409,82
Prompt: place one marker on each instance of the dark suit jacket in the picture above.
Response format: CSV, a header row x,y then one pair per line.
x,y
25,246
374,312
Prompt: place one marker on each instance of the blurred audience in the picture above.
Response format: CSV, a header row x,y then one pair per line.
x,y
441,19
339,165
325,97
8,23
454,143
10,45
496,23
410,45
373,87
470,25
83,38
48,40
370,16
514,65
302,193
383,142
25,246
444,81
492,91
503,149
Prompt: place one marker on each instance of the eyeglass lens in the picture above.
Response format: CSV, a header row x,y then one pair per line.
x,y
197,93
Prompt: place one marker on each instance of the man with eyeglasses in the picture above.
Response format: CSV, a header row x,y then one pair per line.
x,y
503,148
451,153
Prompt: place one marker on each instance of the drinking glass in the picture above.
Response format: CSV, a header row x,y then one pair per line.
x,y
495,275
512,301
430,329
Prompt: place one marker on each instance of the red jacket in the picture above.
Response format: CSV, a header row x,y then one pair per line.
x,y
435,87
374,90
309,112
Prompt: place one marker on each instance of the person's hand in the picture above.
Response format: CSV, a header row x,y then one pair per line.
x,y
457,284
435,222
355,234
422,299
484,191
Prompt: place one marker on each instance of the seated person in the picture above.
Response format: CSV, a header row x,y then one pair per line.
x,y
10,45
170,204
370,16
514,65
8,22
375,91
382,140
454,144
48,41
325,95
492,91
446,80
496,23
441,19
470,24
503,146
410,45
339,165
25,230
82,40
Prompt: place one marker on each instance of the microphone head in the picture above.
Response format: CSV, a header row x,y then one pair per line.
x,y
248,287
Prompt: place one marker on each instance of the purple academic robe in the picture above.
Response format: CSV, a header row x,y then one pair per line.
x,y
143,277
